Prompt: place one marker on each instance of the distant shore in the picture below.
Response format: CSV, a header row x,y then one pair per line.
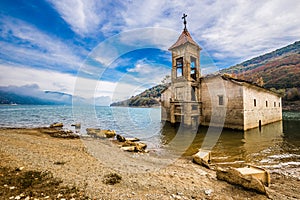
x,y
69,160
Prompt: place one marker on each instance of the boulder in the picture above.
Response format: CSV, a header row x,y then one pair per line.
x,y
132,139
234,176
129,148
139,146
96,132
60,133
109,133
77,125
120,138
57,125
203,158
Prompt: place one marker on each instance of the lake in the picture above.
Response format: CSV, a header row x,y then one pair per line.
x,y
275,147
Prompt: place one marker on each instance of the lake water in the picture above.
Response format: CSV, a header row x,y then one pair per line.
x,y
275,147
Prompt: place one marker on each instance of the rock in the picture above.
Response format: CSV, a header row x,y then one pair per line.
x,y
234,176
60,133
128,143
77,125
129,148
132,139
96,132
208,192
57,125
140,147
109,133
203,158
120,138
20,169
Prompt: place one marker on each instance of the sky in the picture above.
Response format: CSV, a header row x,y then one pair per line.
x,y
115,49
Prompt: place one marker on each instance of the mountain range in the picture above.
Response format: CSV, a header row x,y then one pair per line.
x,y
278,69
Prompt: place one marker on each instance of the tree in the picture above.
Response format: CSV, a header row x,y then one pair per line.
x,y
260,81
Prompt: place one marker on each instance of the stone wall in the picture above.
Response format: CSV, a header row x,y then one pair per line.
x,y
260,106
230,113
165,105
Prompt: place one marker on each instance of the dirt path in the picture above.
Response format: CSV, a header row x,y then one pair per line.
x,y
71,162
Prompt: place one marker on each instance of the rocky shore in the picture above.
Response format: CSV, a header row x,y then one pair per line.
x,y
71,171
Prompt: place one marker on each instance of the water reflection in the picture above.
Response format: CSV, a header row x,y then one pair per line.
x,y
291,130
231,147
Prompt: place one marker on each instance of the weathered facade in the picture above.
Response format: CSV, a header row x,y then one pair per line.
x,y
218,100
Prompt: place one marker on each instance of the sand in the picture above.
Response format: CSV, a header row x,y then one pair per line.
x,y
78,163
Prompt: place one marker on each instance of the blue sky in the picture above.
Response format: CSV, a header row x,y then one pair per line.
x,y
57,44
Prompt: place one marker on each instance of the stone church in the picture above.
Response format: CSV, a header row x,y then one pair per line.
x,y
216,100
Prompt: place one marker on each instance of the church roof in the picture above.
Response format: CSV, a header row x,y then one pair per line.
x,y
241,82
184,38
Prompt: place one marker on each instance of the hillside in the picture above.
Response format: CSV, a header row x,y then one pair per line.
x,y
279,69
49,98
148,98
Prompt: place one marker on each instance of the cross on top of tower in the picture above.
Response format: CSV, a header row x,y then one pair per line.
x,y
184,20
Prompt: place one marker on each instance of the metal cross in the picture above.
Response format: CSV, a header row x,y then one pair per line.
x,y
184,20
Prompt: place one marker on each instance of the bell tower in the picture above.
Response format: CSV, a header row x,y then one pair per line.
x,y
185,79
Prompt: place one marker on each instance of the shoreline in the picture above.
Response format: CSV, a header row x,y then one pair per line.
x,y
69,160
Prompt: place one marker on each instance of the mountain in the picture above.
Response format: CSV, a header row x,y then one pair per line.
x,y
148,98
13,98
278,69
49,98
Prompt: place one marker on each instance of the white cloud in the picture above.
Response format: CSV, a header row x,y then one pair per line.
x,y
42,80
229,29
84,16
142,67
34,47
45,79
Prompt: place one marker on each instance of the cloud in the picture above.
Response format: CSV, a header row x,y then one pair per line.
x,y
45,79
89,17
24,43
82,15
142,67
250,28
231,31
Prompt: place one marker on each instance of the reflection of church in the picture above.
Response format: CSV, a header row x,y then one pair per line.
x,y
218,100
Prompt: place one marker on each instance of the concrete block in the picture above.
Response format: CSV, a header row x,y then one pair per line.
x,y
203,158
250,177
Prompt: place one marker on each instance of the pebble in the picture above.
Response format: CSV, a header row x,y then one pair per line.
x,y
17,197
208,192
12,187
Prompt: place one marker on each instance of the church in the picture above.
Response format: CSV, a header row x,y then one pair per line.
x,y
215,100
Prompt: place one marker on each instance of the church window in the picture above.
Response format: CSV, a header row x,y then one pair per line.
x,y
221,100
279,104
179,67
254,102
193,93
193,67
266,103
274,104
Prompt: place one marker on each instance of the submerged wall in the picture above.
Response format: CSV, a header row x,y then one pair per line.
x,y
228,113
260,107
